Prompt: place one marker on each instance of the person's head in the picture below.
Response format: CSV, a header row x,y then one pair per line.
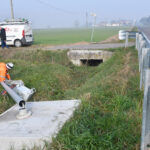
x,y
9,65
2,28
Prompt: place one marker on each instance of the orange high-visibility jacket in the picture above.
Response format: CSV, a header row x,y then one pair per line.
x,y
3,72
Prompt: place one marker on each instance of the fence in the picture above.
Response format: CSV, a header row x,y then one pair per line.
x,y
143,47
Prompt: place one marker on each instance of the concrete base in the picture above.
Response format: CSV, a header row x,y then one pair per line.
x,y
46,121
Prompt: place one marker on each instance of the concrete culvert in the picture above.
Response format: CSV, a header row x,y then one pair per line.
x,y
88,57
91,62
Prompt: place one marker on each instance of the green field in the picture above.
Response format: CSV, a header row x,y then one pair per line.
x,y
109,117
67,36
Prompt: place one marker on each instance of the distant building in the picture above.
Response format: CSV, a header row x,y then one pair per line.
x,y
116,23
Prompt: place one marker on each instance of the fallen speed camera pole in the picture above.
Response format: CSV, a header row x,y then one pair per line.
x,y
23,113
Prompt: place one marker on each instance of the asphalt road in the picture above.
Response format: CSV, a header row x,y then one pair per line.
x,y
88,46
73,47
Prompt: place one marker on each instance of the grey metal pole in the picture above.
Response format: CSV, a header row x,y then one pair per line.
x,y
93,29
13,95
127,37
12,11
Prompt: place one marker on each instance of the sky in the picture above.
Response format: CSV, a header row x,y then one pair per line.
x,y
65,13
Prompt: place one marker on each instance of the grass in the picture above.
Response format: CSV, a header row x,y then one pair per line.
x,y
67,36
51,70
110,115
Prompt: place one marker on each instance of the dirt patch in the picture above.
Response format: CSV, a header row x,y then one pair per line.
x,y
112,39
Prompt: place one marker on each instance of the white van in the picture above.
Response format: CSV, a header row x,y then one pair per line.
x,y
18,33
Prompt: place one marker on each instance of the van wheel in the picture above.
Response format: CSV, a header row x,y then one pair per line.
x,y
17,43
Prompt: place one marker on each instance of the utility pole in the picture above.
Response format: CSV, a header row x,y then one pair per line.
x,y
12,11
93,26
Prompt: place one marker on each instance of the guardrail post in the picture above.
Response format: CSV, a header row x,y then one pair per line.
x,y
142,45
146,113
137,40
127,37
144,64
139,43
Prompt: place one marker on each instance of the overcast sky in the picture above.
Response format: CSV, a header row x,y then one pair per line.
x,y
64,13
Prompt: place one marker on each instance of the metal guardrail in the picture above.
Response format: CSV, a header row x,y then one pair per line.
x,y
147,39
124,34
132,35
143,47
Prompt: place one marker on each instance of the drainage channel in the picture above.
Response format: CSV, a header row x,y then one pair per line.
x,y
91,62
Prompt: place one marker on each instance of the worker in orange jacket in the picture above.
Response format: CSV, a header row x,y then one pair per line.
x,y
4,68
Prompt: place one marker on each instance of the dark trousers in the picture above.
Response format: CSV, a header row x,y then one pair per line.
x,y
3,44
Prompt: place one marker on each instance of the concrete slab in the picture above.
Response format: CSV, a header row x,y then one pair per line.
x,y
47,119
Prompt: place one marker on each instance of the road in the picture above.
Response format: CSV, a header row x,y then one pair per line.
x,y
87,46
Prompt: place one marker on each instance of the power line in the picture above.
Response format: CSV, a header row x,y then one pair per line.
x,y
72,13
58,9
